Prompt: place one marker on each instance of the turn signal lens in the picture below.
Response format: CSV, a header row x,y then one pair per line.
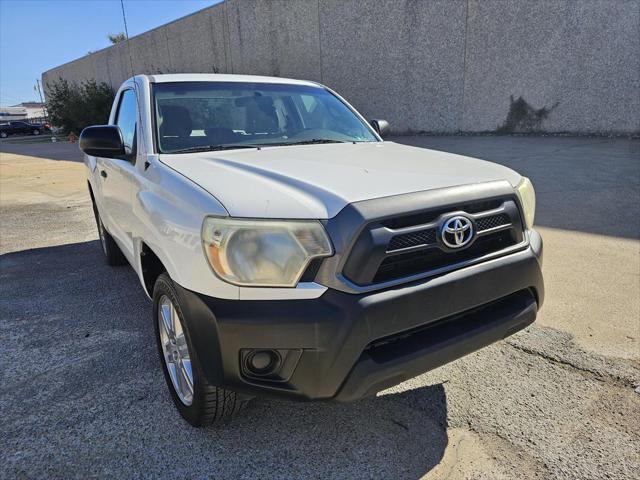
x,y
528,199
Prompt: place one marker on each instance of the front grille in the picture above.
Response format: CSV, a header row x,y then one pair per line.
x,y
412,263
429,236
432,215
392,249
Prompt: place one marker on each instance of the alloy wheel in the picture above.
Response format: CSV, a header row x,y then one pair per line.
x,y
175,350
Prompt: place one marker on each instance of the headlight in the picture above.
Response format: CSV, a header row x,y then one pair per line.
x,y
273,253
528,199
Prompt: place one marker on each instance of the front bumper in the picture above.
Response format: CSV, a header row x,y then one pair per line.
x,y
347,346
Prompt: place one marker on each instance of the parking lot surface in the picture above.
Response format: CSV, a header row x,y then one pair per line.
x,y
83,394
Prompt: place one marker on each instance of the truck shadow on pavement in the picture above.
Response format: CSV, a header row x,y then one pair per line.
x,y
83,394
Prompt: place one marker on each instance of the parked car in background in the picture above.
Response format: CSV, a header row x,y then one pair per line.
x,y
21,128
290,251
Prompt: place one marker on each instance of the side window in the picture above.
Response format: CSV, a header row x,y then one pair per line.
x,y
126,120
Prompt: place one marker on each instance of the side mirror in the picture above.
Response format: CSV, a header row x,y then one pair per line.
x,y
380,126
102,141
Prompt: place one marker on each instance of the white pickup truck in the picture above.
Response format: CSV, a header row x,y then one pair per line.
x,y
290,251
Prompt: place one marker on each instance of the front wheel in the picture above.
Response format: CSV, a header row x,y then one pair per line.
x,y
199,402
3,135
36,131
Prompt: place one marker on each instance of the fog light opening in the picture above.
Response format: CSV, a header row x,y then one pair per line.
x,y
262,362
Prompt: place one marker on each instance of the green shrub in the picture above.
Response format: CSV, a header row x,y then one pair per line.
x,y
73,106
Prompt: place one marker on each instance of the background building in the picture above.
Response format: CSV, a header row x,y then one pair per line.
x,y
444,66
22,111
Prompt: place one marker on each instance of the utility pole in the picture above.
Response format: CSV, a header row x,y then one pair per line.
x,y
39,90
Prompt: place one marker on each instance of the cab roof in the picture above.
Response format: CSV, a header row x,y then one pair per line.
x,y
218,77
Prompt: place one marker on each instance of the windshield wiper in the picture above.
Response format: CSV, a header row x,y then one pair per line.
x,y
232,146
310,142
212,148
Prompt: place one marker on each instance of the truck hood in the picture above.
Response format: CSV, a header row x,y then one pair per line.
x,y
317,181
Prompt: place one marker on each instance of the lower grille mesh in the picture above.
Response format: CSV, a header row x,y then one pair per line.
x,y
493,221
406,240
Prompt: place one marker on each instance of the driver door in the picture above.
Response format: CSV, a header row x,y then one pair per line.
x,y
116,175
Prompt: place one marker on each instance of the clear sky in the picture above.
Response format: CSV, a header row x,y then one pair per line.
x,y
36,35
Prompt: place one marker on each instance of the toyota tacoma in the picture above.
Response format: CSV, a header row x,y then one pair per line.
x,y
290,251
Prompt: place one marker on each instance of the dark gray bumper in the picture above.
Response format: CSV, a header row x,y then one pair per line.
x,y
345,346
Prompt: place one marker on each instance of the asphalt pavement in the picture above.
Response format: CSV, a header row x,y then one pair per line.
x,y
45,150
83,394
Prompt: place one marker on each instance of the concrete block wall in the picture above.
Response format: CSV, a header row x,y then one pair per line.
x,y
402,61
442,66
583,55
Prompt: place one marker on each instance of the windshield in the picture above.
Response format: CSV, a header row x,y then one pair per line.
x,y
199,116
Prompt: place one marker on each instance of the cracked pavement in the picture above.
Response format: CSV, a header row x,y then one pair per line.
x,y
83,394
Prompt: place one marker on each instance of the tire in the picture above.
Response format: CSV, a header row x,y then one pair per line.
x,y
203,404
3,135
112,253
35,131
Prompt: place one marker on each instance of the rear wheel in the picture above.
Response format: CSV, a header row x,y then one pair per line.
x,y
36,131
199,402
3,135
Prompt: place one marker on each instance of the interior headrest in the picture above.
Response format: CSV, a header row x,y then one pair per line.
x,y
176,121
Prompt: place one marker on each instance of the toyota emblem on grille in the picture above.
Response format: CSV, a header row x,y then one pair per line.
x,y
457,232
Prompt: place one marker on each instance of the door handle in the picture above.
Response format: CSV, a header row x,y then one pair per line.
x,y
103,173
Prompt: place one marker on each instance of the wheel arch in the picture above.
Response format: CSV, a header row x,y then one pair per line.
x,y
93,198
151,267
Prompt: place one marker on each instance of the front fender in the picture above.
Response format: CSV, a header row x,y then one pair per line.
x,y
169,210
